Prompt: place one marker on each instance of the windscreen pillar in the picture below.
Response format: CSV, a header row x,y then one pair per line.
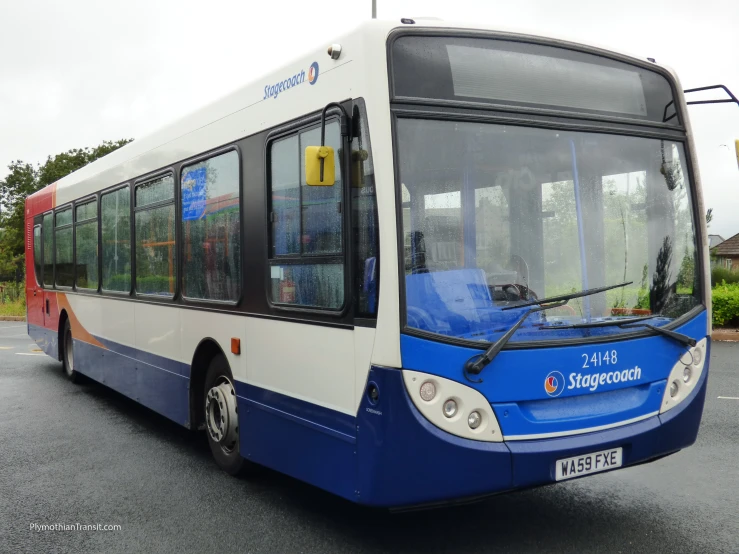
x,y
591,196
527,230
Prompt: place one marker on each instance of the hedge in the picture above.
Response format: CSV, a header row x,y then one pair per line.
x,y
720,275
726,304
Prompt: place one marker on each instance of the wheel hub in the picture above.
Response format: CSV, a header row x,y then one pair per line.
x,y
221,416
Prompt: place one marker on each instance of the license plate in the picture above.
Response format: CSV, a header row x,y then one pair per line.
x,y
594,462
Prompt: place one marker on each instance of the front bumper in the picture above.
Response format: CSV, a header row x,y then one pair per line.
x,y
404,460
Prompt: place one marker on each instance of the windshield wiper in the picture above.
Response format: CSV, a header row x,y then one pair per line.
x,y
571,296
679,337
627,324
606,323
476,367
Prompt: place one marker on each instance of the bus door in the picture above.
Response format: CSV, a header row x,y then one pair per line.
x,y
34,292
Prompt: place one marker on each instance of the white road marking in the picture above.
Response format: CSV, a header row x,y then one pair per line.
x,y
729,397
13,336
28,354
13,327
6,347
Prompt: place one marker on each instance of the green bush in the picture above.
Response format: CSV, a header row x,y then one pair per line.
x,y
726,304
721,275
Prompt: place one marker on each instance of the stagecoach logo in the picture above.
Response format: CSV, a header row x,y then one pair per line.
x,y
273,91
554,383
313,73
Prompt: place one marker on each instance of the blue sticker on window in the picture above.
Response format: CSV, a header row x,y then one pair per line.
x,y
193,194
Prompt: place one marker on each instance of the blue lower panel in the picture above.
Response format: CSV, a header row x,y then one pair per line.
x,y
562,415
534,461
405,460
163,391
306,441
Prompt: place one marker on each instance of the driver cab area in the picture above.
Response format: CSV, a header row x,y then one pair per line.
x,y
472,245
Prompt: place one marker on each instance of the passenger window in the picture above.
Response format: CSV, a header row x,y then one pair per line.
x,y
64,261
47,232
286,196
115,218
86,245
155,237
307,267
211,229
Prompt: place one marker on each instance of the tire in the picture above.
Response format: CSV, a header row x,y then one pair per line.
x,y
221,417
68,354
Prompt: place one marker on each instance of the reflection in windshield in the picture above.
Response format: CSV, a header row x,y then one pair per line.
x,y
494,216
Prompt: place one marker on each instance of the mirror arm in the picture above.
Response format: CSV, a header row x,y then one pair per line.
x,y
345,126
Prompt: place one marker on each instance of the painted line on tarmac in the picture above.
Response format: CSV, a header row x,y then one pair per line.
x,y
13,336
13,327
28,354
6,347
728,397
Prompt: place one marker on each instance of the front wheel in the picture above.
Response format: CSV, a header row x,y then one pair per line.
x,y
222,417
68,354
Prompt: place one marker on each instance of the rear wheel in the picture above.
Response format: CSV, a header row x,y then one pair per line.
x,y
68,354
222,418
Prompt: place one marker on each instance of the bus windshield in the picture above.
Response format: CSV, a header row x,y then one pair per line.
x,y
495,216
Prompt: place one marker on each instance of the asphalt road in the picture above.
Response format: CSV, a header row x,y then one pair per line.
x,y
84,454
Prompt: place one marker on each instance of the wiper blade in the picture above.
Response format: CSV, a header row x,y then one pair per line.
x,y
541,304
571,296
679,337
628,324
607,323
477,366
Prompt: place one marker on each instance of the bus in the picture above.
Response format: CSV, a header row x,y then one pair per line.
x,y
422,265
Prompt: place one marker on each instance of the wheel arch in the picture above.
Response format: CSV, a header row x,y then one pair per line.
x,y
207,349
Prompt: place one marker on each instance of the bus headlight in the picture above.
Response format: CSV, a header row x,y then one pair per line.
x,y
474,420
428,391
684,376
453,406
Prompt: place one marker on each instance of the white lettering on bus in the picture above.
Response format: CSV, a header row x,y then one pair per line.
x,y
593,380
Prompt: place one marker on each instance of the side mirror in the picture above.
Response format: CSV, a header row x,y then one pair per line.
x,y
320,167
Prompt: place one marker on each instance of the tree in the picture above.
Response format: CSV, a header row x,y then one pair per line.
x,y
23,180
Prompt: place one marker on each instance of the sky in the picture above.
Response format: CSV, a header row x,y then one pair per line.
x,y
75,73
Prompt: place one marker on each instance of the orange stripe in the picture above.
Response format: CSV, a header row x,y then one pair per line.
x,y
78,331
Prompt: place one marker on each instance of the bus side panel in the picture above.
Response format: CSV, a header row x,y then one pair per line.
x,y
153,377
298,438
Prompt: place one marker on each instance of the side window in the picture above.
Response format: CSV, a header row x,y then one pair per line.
x,y
86,245
64,261
306,250
211,229
37,252
365,227
47,234
115,214
155,237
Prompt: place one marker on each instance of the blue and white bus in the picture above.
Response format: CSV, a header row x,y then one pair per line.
x,y
425,264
